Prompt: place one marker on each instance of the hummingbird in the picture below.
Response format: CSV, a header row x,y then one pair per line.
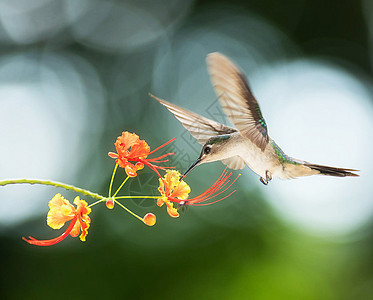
x,y
248,143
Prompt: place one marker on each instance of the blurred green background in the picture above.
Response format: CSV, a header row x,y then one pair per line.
x,y
75,74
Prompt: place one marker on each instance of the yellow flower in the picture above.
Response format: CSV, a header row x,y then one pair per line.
x,y
172,186
60,212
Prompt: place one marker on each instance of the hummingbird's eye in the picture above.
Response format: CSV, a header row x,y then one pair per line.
x,y
207,150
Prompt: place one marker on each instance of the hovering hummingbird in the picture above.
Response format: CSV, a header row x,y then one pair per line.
x,y
249,143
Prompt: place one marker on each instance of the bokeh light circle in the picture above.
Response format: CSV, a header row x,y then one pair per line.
x,y
46,111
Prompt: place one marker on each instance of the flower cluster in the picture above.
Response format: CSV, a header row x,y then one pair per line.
x,y
132,154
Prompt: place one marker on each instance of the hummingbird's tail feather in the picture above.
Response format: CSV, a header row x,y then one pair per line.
x,y
299,168
331,171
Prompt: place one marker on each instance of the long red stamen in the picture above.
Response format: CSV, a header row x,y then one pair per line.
x,y
155,168
204,204
151,166
210,195
197,202
215,186
160,157
158,161
221,185
54,241
165,144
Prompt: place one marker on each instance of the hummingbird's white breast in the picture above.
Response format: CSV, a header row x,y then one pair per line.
x,y
257,160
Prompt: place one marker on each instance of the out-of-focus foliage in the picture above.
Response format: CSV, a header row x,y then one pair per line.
x,y
75,74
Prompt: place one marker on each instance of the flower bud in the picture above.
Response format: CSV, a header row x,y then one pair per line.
x,y
139,166
110,203
150,219
131,171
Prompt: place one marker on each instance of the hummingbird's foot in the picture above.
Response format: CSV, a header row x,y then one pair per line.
x,y
262,180
268,178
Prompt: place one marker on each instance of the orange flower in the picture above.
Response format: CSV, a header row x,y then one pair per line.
x,y
131,149
171,187
174,190
60,212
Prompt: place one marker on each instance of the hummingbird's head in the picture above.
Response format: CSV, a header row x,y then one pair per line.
x,y
214,149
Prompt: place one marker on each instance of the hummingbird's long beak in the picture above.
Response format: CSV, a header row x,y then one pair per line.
x,y
196,163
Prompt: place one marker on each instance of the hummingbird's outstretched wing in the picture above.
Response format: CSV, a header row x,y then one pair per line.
x,y
237,100
200,128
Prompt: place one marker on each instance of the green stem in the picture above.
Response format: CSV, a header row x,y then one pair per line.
x,y
97,202
112,179
126,209
138,197
124,181
52,183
